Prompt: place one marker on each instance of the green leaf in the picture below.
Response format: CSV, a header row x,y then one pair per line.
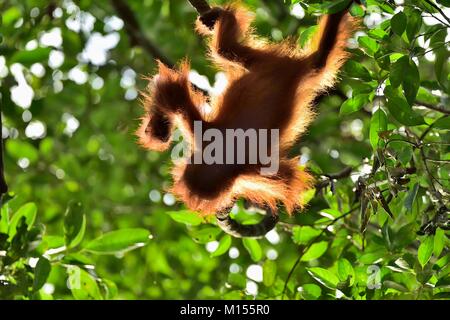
x,y
77,258
354,104
405,72
398,23
4,218
442,262
443,282
51,242
426,96
404,236
443,123
425,250
378,124
27,211
21,149
324,276
385,6
310,291
41,272
27,58
370,45
371,257
11,15
346,271
315,251
307,196
82,284
110,288
409,201
335,6
269,272
330,214
224,245
395,56
403,150
441,68
187,217
237,280
393,285
253,248
378,34
385,205
411,81
414,23
445,3
398,71
306,35
204,235
357,70
74,224
356,10
402,112
439,242
119,241
302,235
426,6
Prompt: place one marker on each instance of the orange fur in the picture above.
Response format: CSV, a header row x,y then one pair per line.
x,y
271,86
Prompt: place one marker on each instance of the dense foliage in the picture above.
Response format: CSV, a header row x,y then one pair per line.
x,y
87,215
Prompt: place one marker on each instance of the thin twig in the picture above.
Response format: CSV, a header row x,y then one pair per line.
x,y
442,44
345,173
430,174
430,32
137,37
135,33
438,161
400,140
433,107
437,18
431,3
429,143
420,145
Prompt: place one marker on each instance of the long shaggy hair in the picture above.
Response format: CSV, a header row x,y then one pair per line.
x,y
270,86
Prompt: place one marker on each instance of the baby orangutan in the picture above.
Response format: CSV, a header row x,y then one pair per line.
x,y
270,86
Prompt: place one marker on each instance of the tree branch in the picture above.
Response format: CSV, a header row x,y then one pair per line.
x,y
345,173
431,3
137,37
433,107
420,145
135,33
